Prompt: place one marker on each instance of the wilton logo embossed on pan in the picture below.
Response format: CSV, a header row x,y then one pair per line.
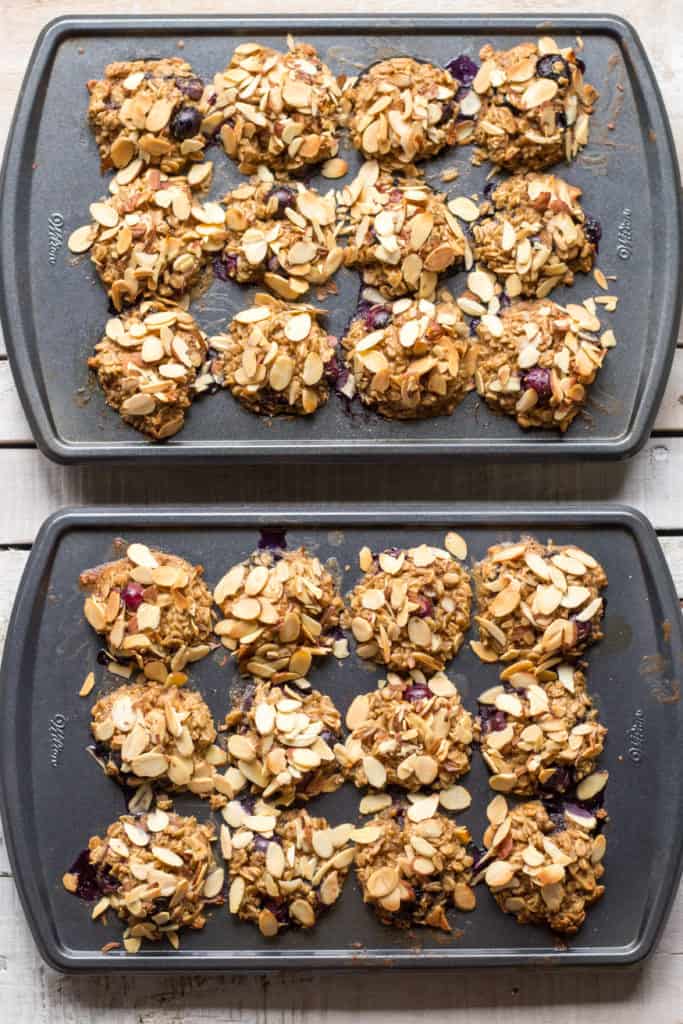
x,y
55,236
56,733
636,736
625,236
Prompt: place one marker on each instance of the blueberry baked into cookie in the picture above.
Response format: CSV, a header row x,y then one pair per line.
x,y
410,609
412,865
281,609
402,235
410,359
537,600
536,361
154,733
150,239
410,732
543,871
153,609
280,233
285,870
402,110
533,234
147,364
277,109
156,872
273,358
280,741
530,105
537,733
149,112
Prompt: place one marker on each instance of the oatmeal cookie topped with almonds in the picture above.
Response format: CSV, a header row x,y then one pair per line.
x,y
530,104
273,357
277,109
281,609
150,238
542,872
411,732
281,233
149,112
280,739
534,234
413,865
538,735
412,358
536,361
536,600
285,871
153,609
149,732
402,110
402,234
411,609
155,871
147,364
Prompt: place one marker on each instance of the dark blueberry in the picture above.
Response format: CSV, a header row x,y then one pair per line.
x,y
490,187
185,123
248,803
193,88
286,199
463,90
492,720
561,120
336,373
426,607
92,882
474,324
504,301
329,737
272,538
417,692
478,854
538,378
273,264
463,68
592,229
278,909
225,267
103,657
377,317
559,781
132,596
261,843
583,629
553,66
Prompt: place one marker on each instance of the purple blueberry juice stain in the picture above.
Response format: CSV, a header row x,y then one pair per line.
x,y
225,267
92,882
417,692
583,629
193,88
491,719
463,69
592,229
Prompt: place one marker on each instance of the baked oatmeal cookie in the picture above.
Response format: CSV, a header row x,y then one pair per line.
x,y
542,601
536,361
411,608
277,109
413,864
149,111
156,871
411,732
148,732
530,104
280,739
534,234
150,238
153,609
285,870
536,735
281,233
402,233
147,363
273,357
281,609
543,871
411,359
402,110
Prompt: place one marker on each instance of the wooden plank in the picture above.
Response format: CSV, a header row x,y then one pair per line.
x,y
14,430
650,481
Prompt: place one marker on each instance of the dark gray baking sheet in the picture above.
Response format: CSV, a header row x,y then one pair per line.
x,y
53,312
54,796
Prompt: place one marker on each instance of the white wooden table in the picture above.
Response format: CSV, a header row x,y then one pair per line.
x,y
30,993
